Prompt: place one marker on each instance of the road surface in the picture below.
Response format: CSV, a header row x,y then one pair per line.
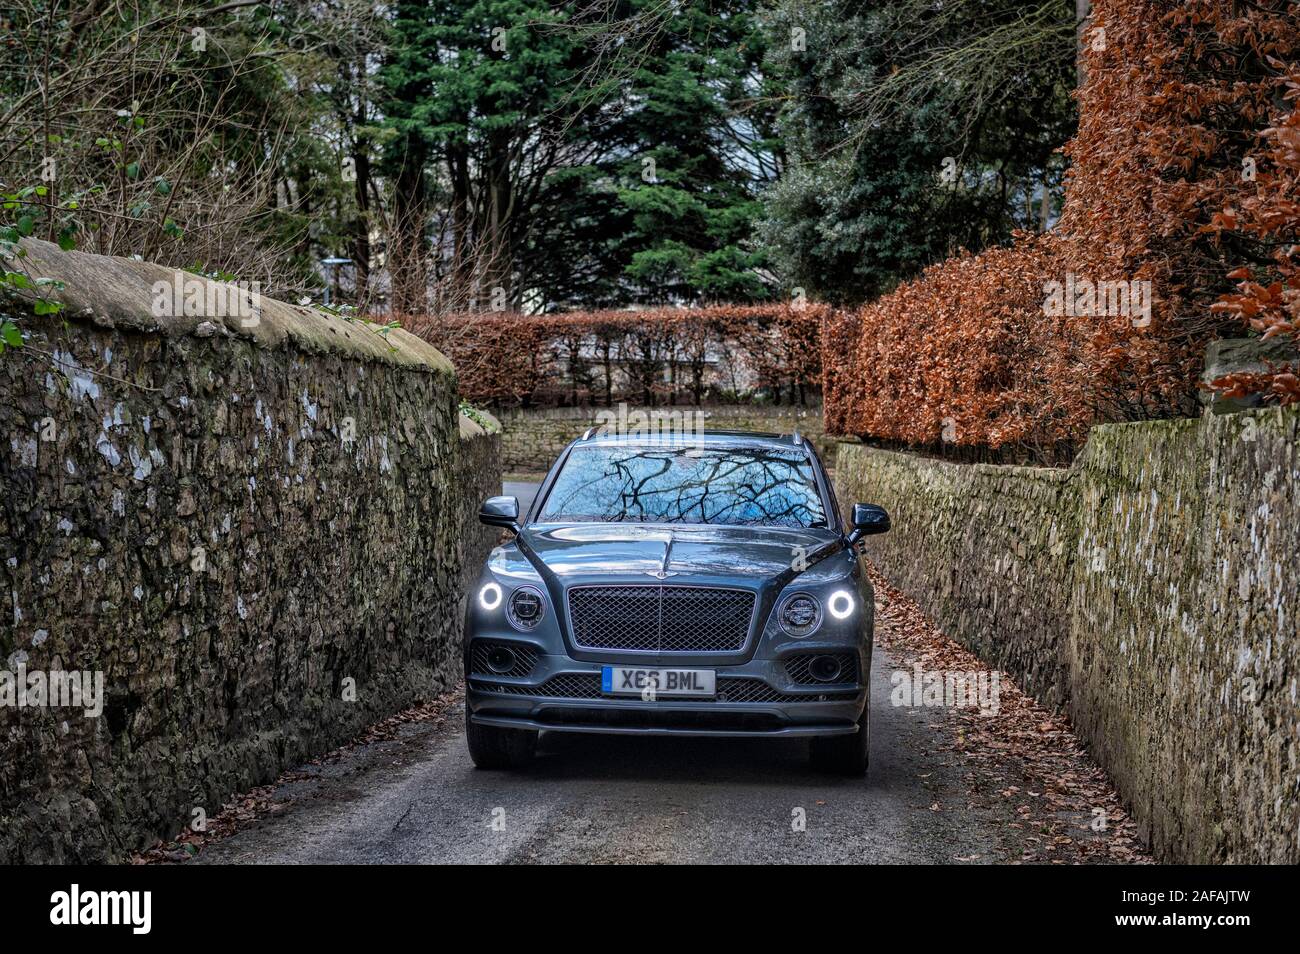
x,y
606,798
416,797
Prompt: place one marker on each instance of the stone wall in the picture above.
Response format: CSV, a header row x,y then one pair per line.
x,y
982,548
480,478
1151,591
534,439
1184,647
254,530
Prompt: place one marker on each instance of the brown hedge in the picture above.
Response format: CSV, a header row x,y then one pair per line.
x,y
1175,99
505,359
1267,299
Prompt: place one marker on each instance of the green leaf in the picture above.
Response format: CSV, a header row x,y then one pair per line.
x,y
67,240
26,224
16,279
132,170
10,334
101,141
44,306
162,185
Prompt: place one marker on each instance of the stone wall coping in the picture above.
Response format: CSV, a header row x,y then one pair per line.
x,y
470,428
491,417
115,292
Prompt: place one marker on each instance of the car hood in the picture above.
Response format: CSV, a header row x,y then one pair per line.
x,y
640,552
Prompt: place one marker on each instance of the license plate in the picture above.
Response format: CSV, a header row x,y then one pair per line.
x,y
661,683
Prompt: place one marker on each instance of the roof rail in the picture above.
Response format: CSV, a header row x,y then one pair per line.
x,y
798,438
586,435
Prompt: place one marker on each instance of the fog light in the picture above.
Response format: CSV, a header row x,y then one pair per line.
x,y
840,604
501,659
824,668
490,596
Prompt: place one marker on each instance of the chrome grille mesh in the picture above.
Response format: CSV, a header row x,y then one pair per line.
x,y
670,619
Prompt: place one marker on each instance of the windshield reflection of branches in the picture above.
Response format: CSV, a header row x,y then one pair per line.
x,y
750,486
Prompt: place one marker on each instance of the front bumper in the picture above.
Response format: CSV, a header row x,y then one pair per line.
x,y
758,698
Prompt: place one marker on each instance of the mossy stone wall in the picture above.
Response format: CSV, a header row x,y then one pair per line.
x,y
1152,591
256,535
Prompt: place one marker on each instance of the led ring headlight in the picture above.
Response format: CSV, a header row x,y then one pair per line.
x,y
526,608
840,604
800,615
490,596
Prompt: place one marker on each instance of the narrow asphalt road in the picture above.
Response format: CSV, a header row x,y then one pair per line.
x,y
416,797
591,798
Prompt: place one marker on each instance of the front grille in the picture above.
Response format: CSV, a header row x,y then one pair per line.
x,y
569,685
797,666
576,685
525,658
756,690
669,619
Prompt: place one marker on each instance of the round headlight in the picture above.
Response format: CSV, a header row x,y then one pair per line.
x,y
840,604
526,609
490,596
800,615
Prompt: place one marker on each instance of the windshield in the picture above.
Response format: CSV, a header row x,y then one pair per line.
x,y
749,486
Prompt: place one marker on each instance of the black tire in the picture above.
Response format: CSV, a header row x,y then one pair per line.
x,y
847,755
494,748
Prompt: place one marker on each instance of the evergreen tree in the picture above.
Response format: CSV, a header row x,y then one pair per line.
x,y
695,159
544,177
913,130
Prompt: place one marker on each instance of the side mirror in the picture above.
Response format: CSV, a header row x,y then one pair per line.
x,y
500,512
868,519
